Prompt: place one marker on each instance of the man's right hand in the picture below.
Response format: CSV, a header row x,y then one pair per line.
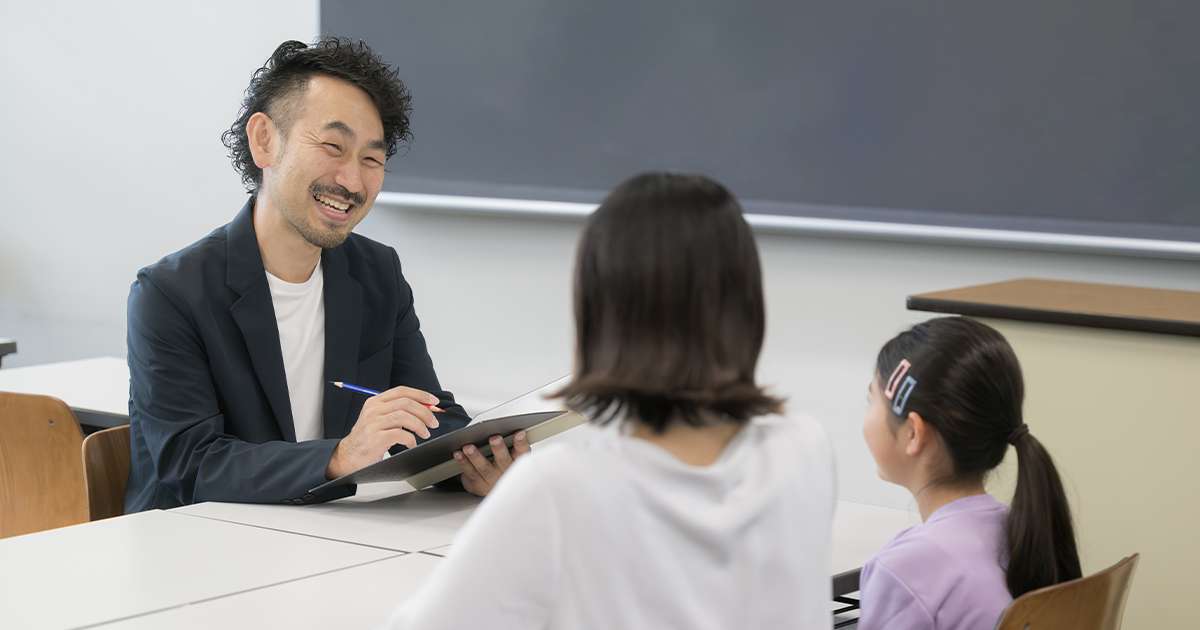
x,y
396,416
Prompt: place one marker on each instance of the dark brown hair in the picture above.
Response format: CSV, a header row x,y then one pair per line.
x,y
276,88
669,313
970,390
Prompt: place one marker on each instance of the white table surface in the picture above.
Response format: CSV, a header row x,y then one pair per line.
x,y
150,561
97,385
340,564
366,594
359,597
386,515
393,516
859,530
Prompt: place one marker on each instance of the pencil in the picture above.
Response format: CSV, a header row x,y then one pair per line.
x,y
371,392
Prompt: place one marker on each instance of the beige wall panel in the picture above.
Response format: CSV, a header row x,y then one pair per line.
x,y
1119,413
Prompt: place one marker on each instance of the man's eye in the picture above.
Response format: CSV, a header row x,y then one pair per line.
x,y
333,146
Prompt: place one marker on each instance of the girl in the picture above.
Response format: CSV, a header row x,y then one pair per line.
x,y
706,509
945,404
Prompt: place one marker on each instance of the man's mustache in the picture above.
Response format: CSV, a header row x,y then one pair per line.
x,y
357,198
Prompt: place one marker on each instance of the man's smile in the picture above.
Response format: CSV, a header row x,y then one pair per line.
x,y
333,204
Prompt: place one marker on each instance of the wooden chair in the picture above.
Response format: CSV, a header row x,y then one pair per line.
x,y
1095,602
41,475
105,471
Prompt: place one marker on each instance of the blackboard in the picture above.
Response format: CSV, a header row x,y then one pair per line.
x,y
1074,116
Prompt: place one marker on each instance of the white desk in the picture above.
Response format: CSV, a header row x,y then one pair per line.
x,y
359,597
385,515
152,561
393,516
186,568
378,517
97,390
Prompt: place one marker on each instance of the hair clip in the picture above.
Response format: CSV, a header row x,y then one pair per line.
x,y
899,386
894,380
902,395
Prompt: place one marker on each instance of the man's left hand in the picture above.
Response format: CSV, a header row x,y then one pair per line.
x,y
480,474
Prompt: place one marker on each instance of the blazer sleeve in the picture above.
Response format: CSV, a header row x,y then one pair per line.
x,y
182,452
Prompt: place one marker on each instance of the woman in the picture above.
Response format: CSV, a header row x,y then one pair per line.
x,y
706,509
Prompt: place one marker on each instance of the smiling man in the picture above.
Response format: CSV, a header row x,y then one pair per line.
x,y
234,340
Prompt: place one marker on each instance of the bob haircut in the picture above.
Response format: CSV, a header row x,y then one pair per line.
x,y
276,89
669,313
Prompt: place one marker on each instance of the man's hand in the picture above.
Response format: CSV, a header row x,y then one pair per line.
x,y
479,473
397,416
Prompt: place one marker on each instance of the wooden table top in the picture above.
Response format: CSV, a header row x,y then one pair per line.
x,y
1161,311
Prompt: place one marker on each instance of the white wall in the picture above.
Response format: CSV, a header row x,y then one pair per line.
x,y
113,159
112,119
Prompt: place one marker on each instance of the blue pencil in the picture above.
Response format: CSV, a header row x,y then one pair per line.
x,y
355,388
369,392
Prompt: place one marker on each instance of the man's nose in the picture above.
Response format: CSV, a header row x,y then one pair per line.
x,y
349,176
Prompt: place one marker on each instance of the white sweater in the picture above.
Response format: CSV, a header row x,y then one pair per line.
x,y
617,533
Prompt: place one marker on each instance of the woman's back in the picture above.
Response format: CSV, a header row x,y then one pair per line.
x,y
618,533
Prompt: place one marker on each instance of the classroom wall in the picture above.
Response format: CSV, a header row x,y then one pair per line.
x,y
112,115
113,159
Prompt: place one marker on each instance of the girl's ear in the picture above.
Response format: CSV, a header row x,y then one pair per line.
x,y
919,435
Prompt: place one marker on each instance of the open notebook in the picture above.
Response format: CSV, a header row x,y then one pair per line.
x,y
433,461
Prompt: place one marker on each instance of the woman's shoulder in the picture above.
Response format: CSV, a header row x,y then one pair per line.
x,y
590,451
798,426
796,433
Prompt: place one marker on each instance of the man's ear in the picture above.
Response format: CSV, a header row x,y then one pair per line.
x,y
264,140
920,436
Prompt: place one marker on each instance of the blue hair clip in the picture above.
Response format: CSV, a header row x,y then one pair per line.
x,y
906,388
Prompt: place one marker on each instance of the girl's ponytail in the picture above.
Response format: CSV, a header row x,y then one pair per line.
x,y
1041,537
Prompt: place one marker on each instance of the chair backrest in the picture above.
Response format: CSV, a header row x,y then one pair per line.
x,y
105,471
1095,602
41,475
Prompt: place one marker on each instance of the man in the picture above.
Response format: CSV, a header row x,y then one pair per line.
x,y
234,340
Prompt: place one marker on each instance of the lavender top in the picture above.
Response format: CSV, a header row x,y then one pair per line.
x,y
946,574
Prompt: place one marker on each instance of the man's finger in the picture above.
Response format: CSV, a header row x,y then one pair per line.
x,y
481,463
397,393
470,477
420,412
392,410
520,444
500,453
398,436
402,420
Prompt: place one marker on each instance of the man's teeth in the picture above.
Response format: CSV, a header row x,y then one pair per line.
x,y
340,207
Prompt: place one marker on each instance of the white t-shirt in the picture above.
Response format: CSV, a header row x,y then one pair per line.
x,y
300,313
618,533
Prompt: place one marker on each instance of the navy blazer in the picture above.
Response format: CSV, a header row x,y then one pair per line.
x,y
209,413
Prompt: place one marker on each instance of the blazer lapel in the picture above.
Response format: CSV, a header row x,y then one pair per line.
x,y
343,327
254,313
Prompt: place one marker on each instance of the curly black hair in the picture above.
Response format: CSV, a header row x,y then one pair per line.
x,y
276,87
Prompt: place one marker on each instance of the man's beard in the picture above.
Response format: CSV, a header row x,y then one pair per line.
x,y
318,238
315,236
